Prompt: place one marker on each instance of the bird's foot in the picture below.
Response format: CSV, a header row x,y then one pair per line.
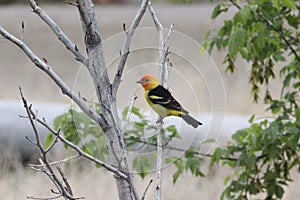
x,y
160,120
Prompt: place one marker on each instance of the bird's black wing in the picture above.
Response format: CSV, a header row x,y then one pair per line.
x,y
163,97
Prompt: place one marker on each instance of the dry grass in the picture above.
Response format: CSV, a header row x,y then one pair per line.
x,y
94,183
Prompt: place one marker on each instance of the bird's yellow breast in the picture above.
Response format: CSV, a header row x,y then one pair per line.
x,y
160,110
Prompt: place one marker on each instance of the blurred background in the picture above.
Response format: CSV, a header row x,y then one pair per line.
x,y
221,101
111,1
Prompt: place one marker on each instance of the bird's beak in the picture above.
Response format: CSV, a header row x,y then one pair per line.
x,y
139,81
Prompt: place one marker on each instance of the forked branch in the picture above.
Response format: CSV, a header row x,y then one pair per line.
x,y
58,32
125,52
32,115
163,52
64,190
59,82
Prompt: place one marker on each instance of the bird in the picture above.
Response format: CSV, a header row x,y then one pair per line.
x,y
162,101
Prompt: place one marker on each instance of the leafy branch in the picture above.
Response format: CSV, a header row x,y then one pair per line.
x,y
260,32
273,27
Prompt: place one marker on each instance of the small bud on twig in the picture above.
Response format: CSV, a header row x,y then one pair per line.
x,y
44,59
124,27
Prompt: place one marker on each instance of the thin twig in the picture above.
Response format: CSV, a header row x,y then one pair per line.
x,y
125,52
159,159
82,153
168,35
53,143
164,81
56,162
30,140
59,33
46,167
258,158
129,112
45,198
144,194
69,189
273,27
59,82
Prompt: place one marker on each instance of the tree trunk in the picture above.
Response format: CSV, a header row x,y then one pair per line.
x,y
111,126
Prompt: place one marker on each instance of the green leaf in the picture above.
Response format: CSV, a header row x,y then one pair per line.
x,y
226,180
231,66
279,191
276,4
240,136
211,140
48,140
259,41
172,129
217,155
243,15
218,10
289,3
297,115
178,162
134,111
251,119
237,40
193,164
124,113
247,160
143,165
137,112
86,149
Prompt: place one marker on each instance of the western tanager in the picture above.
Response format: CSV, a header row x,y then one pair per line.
x,y
162,101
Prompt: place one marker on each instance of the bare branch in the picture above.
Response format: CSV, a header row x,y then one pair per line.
x,y
44,198
83,154
125,52
46,167
68,187
53,143
79,151
56,162
72,2
58,32
163,52
87,17
168,35
159,159
162,46
129,112
30,140
59,82
144,194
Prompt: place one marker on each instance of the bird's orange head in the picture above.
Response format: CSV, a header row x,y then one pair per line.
x,y
148,82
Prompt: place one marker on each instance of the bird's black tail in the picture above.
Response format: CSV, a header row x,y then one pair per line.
x,y
191,121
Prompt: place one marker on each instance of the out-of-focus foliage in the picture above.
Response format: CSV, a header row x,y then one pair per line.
x,y
266,34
